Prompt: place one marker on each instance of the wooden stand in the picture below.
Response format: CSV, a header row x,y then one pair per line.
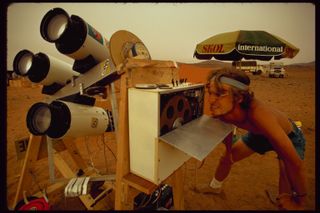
x,y
37,149
127,185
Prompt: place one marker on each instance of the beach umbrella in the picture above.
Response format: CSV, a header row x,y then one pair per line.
x,y
234,46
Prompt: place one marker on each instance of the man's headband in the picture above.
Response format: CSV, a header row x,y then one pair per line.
x,y
233,82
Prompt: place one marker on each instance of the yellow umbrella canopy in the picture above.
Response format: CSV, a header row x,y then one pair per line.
x,y
233,46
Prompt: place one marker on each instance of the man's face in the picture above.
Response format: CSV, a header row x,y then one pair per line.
x,y
220,100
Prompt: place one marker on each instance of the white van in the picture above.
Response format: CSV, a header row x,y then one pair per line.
x,y
276,70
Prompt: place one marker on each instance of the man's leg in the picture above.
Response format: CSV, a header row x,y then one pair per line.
x,y
238,152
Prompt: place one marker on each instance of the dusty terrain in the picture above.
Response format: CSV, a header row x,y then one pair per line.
x,y
245,187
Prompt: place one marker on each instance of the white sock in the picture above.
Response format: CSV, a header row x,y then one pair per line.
x,y
215,183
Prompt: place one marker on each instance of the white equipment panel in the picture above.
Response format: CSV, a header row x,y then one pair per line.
x,y
154,156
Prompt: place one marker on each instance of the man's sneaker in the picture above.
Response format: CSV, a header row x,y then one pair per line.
x,y
215,187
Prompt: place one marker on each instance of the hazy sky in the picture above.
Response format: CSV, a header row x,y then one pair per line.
x,y
169,30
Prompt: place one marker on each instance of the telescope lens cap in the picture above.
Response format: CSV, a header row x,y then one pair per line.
x,y
57,26
22,62
53,24
39,118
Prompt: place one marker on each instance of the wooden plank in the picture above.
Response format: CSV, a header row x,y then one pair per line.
x,y
122,167
74,152
149,71
67,172
53,192
31,157
152,75
176,180
139,183
63,167
178,183
143,63
57,145
132,63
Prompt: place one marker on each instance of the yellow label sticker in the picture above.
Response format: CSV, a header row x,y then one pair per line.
x,y
94,122
105,66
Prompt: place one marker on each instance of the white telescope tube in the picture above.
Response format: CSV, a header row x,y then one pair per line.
x,y
42,68
60,119
73,36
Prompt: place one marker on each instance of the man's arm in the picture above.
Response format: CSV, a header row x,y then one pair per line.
x,y
268,124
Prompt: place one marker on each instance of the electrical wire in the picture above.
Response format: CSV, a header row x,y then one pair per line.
x,y
104,154
110,150
148,201
202,163
159,195
90,156
142,201
35,180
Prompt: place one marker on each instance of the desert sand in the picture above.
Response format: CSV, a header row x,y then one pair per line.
x,y
244,189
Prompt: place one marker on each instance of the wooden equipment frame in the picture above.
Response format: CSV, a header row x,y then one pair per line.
x,y
132,71
37,150
135,71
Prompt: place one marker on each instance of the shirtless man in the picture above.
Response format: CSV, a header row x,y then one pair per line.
x,y
268,129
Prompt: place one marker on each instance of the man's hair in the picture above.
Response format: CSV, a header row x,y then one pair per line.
x,y
238,76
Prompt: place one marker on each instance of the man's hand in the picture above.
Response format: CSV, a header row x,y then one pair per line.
x,y
287,202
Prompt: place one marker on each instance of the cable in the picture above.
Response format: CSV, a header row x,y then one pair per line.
x,y
110,150
35,180
90,156
148,201
104,154
142,201
202,163
159,195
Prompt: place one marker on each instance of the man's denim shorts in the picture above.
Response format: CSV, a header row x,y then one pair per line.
x,y
261,145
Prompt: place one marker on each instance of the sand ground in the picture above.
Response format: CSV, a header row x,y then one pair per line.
x,y
245,187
